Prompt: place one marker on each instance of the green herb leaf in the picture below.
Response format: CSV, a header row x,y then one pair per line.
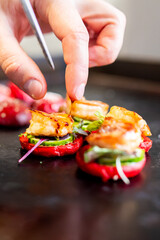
x,y
93,126
87,125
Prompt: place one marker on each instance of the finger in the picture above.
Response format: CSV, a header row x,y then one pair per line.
x,y
75,50
108,43
66,23
18,66
44,27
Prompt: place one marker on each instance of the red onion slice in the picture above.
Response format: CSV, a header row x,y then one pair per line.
x,y
120,171
31,150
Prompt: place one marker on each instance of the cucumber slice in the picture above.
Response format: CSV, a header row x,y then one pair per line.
x,y
50,143
105,156
96,152
87,125
126,159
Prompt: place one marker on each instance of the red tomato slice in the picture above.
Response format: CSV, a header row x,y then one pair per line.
x,y
46,151
107,172
13,112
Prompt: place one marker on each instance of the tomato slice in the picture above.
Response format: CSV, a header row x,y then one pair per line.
x,y
13,112
107,172
62,150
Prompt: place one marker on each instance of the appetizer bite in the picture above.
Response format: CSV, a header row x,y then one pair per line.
x,y
50,135
15,105
49,104
88,115
115,149
134,118
52,102
13,112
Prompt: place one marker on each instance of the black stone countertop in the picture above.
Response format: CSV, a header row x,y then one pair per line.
x,y
56,200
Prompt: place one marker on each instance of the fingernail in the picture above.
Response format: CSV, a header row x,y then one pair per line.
x,y
80,91
33,88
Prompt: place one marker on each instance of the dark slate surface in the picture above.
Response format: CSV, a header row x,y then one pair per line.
x,y
55,200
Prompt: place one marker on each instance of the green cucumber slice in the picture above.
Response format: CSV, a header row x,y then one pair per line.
x,y
128,159
96,152
88,125
105,156
51,143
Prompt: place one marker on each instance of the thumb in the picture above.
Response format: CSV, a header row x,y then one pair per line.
x,y
18,67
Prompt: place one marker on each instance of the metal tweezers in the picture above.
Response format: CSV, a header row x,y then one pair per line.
x,y
36,29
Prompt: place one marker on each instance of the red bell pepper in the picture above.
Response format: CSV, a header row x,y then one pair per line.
x,y
50,151
107,172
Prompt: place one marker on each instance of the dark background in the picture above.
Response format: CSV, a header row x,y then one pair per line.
x,y
56,200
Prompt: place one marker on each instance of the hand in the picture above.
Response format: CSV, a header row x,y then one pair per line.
x,y
91,32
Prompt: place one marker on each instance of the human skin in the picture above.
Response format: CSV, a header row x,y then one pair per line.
x,y
91,32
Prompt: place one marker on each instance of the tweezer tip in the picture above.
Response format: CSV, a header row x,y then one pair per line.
x,y
52,66
51,63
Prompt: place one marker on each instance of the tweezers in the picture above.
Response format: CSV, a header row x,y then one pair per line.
x,y
37,30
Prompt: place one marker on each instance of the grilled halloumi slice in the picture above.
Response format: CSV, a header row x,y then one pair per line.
x,y
51,125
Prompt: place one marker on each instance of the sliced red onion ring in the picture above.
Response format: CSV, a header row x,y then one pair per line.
x,y
120,171
64,137
31,150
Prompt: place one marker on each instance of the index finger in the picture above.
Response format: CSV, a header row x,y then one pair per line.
x,y
68,26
